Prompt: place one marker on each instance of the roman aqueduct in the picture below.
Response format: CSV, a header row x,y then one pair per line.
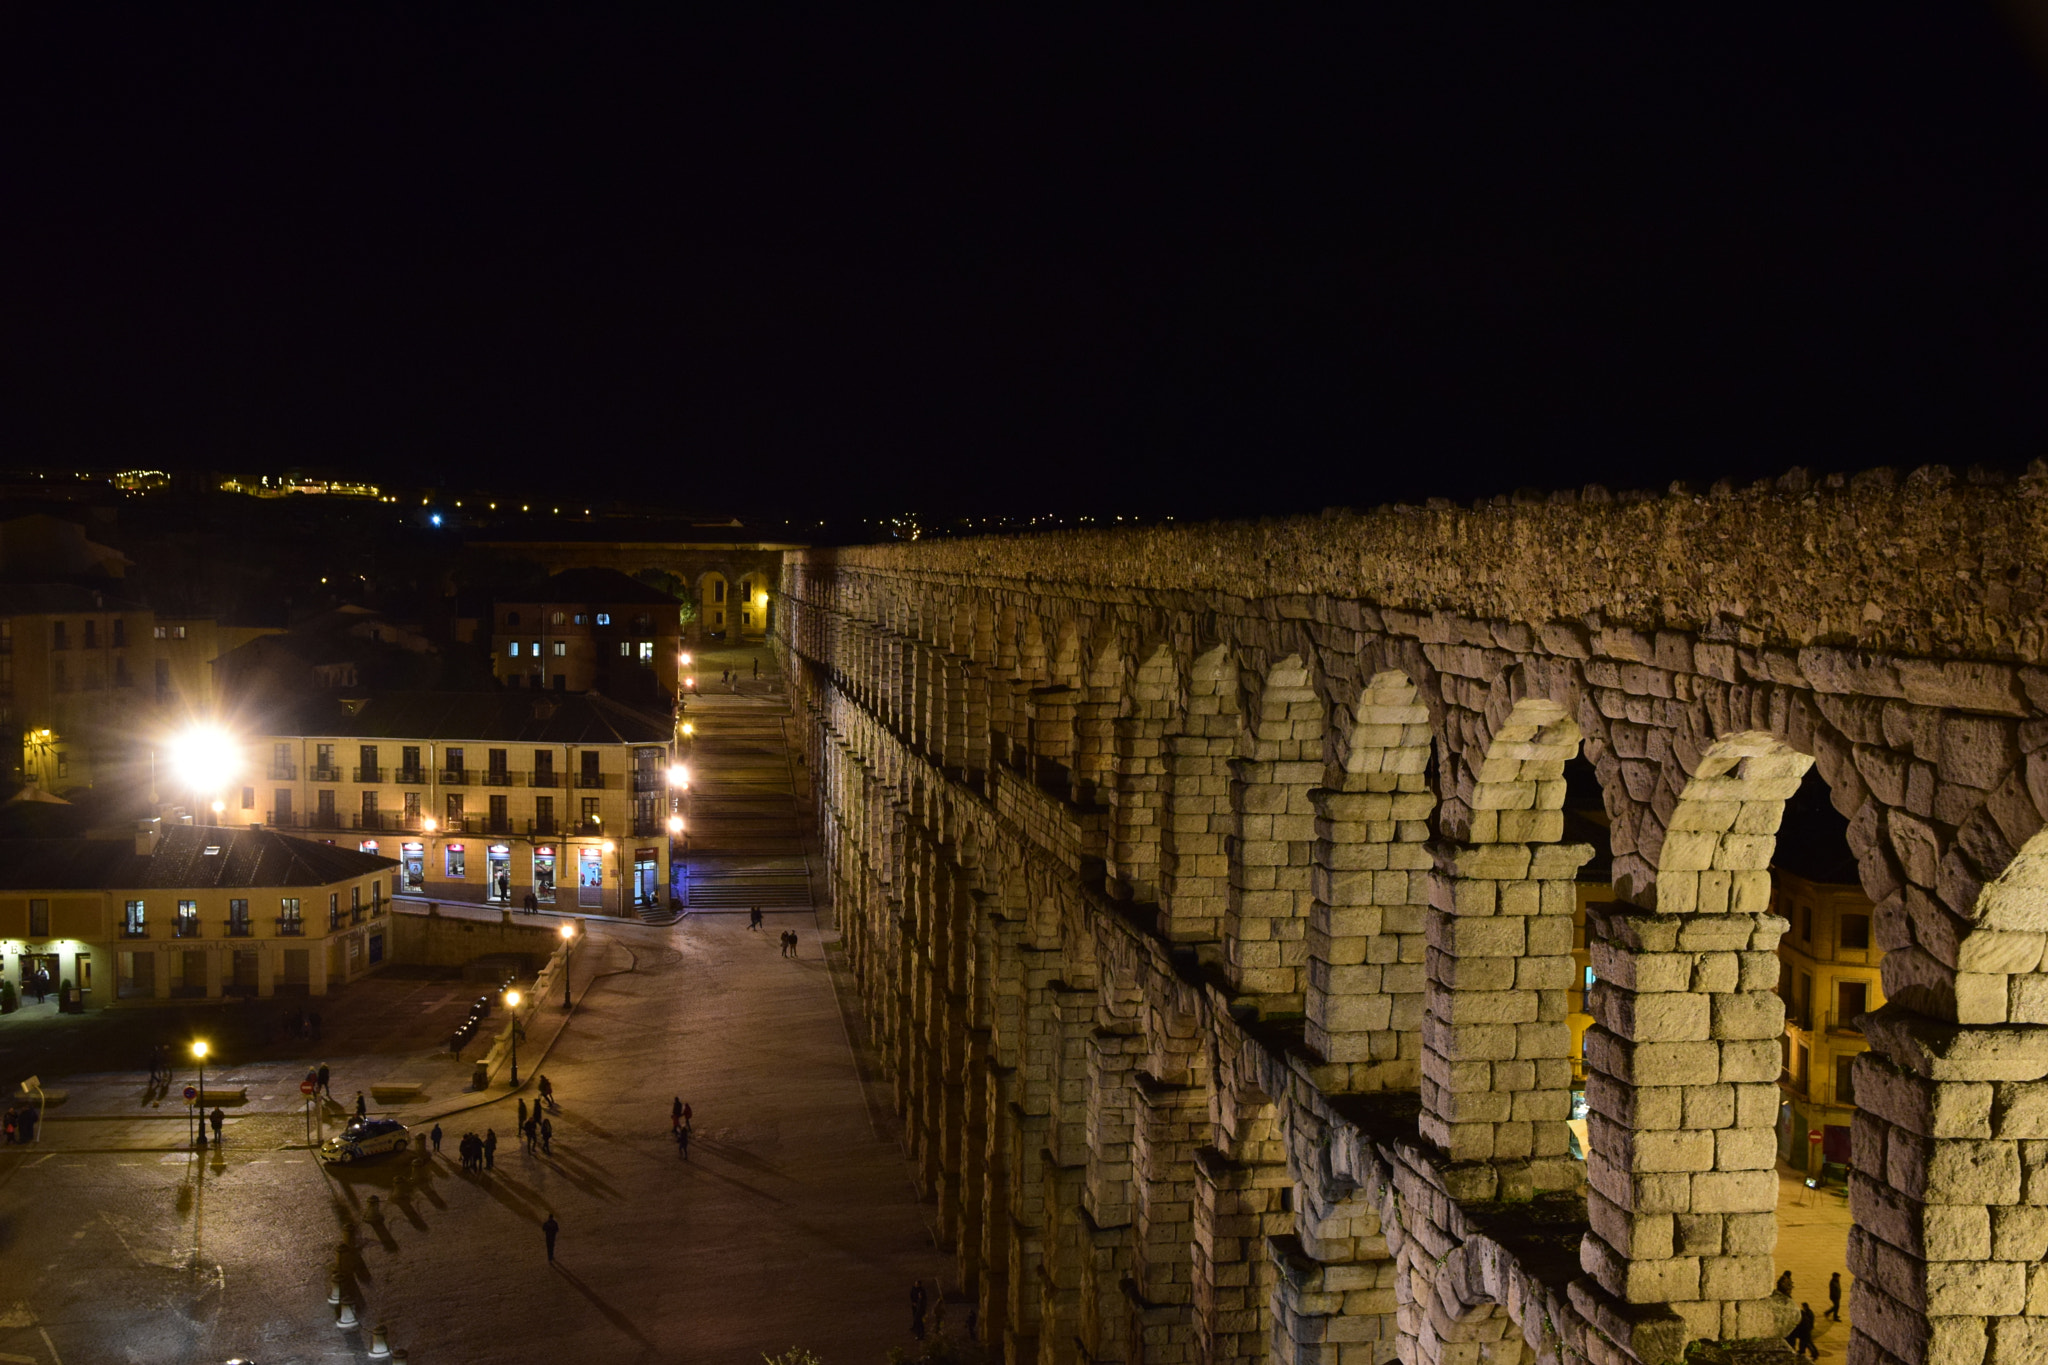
x,y
1207,898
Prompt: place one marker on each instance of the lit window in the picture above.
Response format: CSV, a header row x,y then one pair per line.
x,y
212,851
647,651
625,649
604,618
163,632
515,649
561,650
534,649
556,619
581,619
453,854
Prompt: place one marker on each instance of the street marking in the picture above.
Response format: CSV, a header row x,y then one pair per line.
x,y
50,1344
19,1360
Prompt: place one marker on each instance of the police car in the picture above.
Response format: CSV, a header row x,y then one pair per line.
x,y
365,1137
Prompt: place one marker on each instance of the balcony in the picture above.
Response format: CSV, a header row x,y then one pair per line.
x,y
323,774
288,819
240,928
1838,1022
367,774
355,914
412,777
290,926
185,928
284,772
334,919
498,777
647,829
134,931
544,829
596,781
649,780
543,779
386,821
455,777
492,824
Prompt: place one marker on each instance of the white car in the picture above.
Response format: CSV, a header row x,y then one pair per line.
x,y
365,1137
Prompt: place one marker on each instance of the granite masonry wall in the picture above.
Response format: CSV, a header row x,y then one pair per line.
x,y
1207,894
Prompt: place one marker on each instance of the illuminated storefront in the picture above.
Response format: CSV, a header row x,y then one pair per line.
x,y
413,860
544,873
590,876
498,873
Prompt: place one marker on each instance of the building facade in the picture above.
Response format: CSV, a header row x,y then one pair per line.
x,y
1827,976
483,797
190,912
588,629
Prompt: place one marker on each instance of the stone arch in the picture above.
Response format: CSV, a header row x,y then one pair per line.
x,y
1266,912
754,591
1242,1198
1479,1333
1194,860
1366,943
1138,794
714,594
1496,1069
1104,686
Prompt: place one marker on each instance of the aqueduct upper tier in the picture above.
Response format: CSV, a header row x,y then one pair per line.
x,y
1209,895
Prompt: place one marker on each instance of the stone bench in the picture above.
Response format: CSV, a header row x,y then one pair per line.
x,y
393,1092
226,1094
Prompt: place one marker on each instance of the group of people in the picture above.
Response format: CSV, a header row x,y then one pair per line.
x,y
679,1116
36,983
1800,1338
20,1123
788,936
479,1154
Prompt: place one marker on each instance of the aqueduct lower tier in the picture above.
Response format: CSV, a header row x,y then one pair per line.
x,y
1208,901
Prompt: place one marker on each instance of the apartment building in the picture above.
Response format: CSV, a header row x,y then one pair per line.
x,y
585,629
1827,975
190,911
482,797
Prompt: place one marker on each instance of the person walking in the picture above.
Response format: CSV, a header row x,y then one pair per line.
x,y
531,905
362,1108
686,1116
547,1096
436,1136
683,1142
675,1115
490,1149
754,918
1785,1284
216,1118
1835,1296
532,1133
918,1303
547,1137
522,1114
324,1076
549,1230
1800,1339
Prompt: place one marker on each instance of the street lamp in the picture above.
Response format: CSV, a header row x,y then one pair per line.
x,y
512,1003
205,758
568,932
429,824
199,1054
679,777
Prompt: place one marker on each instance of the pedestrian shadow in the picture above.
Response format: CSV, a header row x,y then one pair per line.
x,y
383,1234
739,1156
734,1181
611,1314
517,1197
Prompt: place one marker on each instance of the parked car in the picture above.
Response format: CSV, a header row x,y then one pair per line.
x,y
365,1137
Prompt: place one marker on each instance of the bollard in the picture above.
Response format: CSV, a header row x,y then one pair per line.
x,y
380,1343
399,1357
480,1078
376,1208
333,1288
348,1320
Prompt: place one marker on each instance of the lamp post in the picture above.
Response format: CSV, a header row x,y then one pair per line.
x,y
199,1054
512,1003
568,942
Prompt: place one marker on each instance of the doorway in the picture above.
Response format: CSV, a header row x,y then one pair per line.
x,y
499,883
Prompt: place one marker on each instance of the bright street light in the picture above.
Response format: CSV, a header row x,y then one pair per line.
x,y
512,1003
678,776
430,824
204,758
675,824
568,932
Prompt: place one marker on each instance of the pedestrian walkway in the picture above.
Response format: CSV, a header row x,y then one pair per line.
x,y
746,844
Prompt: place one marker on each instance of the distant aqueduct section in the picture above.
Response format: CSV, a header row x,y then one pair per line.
x,y
1206,893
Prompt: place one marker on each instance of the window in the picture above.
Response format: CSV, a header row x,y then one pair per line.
x,y
1845,1080
355,904
455,761
591,818
162,632
495,758
1806,924
187,924
323,759
334,909
561,682
177,632
604,618
134,920
643,623
556,619
238,919
38,919
366,763
543,815
60,635
581,619
248,798
324,802
534,649
288,921
515,649
625,649
122,677
561,650
409,762
92,635
511,618
120,633
369,810
454,811
591,776
1851,999
1855,931
412,809
718,591
501,813
60,676
453,857
647,651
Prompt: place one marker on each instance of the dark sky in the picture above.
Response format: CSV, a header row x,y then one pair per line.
x,y
1168,264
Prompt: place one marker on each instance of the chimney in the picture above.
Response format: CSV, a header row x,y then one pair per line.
x,y
148,834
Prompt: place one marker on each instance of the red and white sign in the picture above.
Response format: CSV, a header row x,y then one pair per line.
x,y
307,1087
1813,1135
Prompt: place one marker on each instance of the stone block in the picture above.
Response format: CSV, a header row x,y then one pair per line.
x,y
1734,1191
1748,1015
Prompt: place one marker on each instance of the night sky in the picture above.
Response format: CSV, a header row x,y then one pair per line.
x,y
1157,265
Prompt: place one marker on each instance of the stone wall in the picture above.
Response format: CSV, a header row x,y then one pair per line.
x,y
1208,898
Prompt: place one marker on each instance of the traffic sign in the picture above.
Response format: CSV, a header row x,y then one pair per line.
x,y
191,1093
1813,1135
307,1087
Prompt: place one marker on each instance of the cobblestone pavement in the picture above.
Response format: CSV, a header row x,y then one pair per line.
x,y
1813,1240
794,1220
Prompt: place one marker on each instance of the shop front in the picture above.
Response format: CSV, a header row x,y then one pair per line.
x,y
590,877
498,874
413,866
544,873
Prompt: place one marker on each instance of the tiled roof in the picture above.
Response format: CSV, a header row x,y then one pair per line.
x,y
245,858
506,717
